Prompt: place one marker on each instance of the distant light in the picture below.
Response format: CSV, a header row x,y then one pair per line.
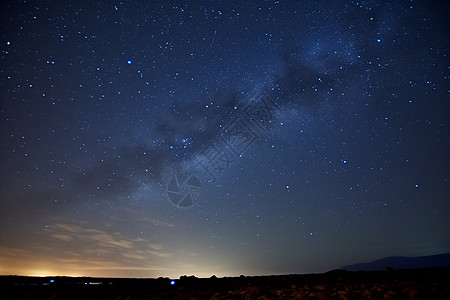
x,y
129,62
378,40
344,161
52,280
172,282
416,185
171,147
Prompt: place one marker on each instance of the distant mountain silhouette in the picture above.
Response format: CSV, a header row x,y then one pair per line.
x,y
401,262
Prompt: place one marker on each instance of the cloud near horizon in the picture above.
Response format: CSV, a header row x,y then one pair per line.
x,y
86,248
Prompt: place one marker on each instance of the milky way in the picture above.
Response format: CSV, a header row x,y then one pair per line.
x,y
102,104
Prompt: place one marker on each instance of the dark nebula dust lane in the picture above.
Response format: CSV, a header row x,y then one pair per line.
x,y
221,137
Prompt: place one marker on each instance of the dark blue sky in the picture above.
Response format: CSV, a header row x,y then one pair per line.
x,y
102,104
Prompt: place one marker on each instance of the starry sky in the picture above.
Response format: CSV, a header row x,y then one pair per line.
x,y
314,134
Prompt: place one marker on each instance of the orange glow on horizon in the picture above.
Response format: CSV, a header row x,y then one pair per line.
x,y
46,273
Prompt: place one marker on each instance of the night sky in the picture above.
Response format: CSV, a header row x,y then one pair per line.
x,y
159,138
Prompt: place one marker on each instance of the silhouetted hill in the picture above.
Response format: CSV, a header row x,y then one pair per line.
x,y
401,262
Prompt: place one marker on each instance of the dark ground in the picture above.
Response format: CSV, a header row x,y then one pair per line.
x,y
337,284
